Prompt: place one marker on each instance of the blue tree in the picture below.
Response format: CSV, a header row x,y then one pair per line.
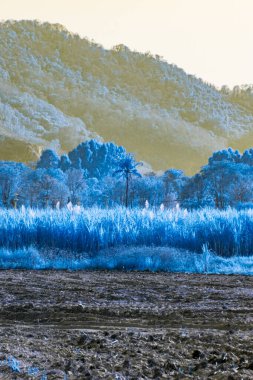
x,y
10,178
65,163
75,180
127,169
247,157
43,187
48,160
97,158
225,155
174,181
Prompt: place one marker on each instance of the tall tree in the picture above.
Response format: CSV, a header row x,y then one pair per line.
x,y
76,183
127,169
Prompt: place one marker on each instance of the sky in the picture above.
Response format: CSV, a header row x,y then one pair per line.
x,y
212,39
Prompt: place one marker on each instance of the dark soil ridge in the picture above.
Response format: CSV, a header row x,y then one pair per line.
x,y
127,325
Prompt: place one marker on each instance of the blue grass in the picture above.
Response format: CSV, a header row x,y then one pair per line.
x,y
128,258
227,233
95,238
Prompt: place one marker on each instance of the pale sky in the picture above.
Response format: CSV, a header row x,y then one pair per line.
x,y
212,39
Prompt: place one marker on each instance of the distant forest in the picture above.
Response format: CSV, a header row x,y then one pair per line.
x,y
106,175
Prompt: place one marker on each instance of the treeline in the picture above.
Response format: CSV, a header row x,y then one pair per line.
x,y
96,174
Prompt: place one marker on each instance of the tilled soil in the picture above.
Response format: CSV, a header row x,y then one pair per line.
x,y
125,325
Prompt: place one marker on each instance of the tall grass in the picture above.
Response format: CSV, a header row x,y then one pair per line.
x,y
226,233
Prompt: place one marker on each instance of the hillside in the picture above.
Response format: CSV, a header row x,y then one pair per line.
x,y
57,89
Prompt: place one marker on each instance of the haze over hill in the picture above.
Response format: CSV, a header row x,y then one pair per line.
x,y
58,90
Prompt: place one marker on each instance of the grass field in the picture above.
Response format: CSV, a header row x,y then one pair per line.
x,y
199,241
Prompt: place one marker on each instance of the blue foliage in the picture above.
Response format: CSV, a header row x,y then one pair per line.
x,y
105,175
130,258
48,160
247,157
10,178
98,159
225,155
80,232
16,366
65,163
127,167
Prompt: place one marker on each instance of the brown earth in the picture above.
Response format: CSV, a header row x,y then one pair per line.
x,y
126,325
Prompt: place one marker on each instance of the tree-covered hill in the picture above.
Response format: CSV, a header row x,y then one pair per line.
x,y
57,90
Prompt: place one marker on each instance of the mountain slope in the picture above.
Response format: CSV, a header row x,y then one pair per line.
x,y
57,89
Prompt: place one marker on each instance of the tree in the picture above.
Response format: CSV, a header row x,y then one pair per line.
x,y
97,158
174,181
226,155
10,177
65,163
150,188
194,193
76,183
247,157
43,188
52,191
48,160
221,180
30,187
127,169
